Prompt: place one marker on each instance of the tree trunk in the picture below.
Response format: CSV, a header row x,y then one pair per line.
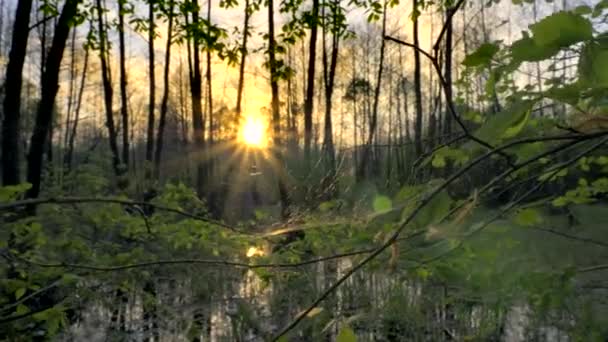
x,y
12,99
209,84
310,87
124,110
329,73
152,84
69,156
165,99
417,87
107,89
362,172
448,70
50,86
276,117
195,87
241,84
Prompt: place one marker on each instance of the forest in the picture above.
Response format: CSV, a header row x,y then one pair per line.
x,y
304,170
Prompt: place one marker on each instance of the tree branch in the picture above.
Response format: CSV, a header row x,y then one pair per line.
x,y
425,200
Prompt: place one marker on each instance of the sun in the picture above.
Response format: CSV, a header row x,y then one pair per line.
x,y
253,132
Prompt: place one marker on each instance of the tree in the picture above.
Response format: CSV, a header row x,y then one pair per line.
x,y
274,107
417,82
152,85
165,99
367,151
50,85
106,77
12,99
124,102
310,85
248,11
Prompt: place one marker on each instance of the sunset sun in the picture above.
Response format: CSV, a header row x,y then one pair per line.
x,y
253,132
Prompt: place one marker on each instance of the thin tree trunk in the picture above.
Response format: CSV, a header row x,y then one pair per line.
x,y
107,89
124,110
11,129
69,156
417,87
241,84
70,101
330,76
165,99
209,83
276,118
195,87
448,69
374,117
152,89
310,87
50,86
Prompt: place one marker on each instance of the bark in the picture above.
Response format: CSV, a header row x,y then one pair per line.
x,y
165,99
241,84
195,87
70,101
124,110
448,70
50,86
107,88
152,89
310,87
329,73
374,115
12,100
209,84
417,88
276,117
69,156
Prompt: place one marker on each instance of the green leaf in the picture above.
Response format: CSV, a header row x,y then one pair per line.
x,y
592,65
528,217
482,56
19,293
582,10
382,204
434,211
507,123
11,192
21,309
526,50
561,29
346,334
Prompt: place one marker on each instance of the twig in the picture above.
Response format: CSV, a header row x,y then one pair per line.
x,y
76,200
100,268
450,104
451,12
425,200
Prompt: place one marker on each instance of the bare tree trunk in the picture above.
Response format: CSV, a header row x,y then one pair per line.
x,y
70,152
50,86
124,110
165,99
310,86
11,129
195,86
209,83
71,90
276,116
107,88
374,117
329,73
417,87
241,84
448,69
152,85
